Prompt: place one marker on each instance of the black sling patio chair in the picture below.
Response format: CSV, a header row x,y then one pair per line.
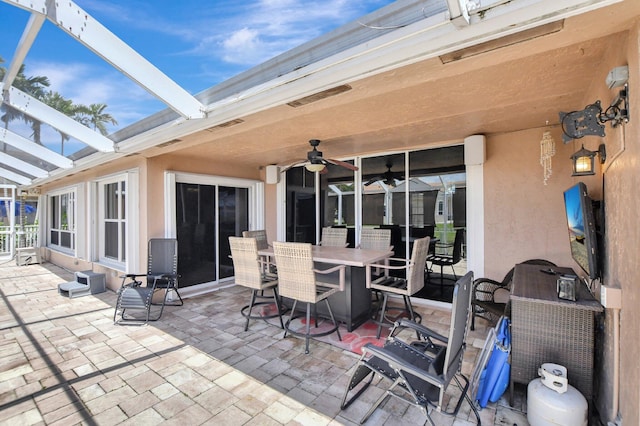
x,y
419,372
137,290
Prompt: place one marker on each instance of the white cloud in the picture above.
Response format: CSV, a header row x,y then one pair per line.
x,y
280,25
87,84
242,46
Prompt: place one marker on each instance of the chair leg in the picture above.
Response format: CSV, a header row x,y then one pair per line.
x,y
306,330
315,315
276,299
251,303
415,317
286,325
306,338
333,319
169,288
385,298
379,402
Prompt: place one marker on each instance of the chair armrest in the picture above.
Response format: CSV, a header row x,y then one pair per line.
x,y
443,245
132,275
424,331
484,288
384,266
489,281
169,276
398,363
340,268
406,262
134,281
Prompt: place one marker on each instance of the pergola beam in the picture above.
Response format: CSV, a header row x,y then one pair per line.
x,y
26,41
45,154
19,179
22,165
80,25
38,110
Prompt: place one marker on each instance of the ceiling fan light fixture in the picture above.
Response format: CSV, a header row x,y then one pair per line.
x,y
312,167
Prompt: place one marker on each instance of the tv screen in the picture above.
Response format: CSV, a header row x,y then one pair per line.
x,y
582,229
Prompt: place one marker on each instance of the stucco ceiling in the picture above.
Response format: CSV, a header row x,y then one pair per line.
x,y
520,86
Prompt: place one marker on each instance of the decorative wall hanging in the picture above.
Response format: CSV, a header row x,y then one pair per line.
x,y
547,150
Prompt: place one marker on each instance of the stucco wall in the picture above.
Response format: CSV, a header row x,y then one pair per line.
x,y
87,177
525,219
622,204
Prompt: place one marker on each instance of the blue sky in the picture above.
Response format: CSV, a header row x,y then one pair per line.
x,y
196,43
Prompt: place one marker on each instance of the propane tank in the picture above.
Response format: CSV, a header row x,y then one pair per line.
x,y
552,401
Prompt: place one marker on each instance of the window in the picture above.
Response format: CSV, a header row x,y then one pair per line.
x,y
62,220
417,209
112,200
440,208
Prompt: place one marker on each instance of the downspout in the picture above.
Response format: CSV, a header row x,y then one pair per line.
x,y
616,368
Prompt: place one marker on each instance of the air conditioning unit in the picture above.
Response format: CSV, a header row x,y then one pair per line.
x,y
27,256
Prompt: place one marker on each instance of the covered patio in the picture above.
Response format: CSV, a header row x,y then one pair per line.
x,y
485,86
65,362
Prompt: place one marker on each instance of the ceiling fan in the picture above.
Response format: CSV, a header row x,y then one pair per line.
x,y
388,178
316,162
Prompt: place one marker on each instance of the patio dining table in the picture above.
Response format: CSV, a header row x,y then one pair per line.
x,y
353,305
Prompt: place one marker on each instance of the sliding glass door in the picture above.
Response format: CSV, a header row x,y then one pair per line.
x,y
206,215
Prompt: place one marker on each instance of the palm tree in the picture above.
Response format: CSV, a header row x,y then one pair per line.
x,y
94,117
66,106
34,86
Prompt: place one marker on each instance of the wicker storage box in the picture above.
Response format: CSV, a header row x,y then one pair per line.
x,y
548,329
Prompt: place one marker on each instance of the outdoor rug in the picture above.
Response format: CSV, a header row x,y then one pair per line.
x,y
351,341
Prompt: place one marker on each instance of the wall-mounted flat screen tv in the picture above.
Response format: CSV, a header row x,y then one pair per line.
x,y
582,229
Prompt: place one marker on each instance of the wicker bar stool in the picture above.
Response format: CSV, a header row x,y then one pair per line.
x,y
405,287
297,281
261,239
249,273
334,237
375,239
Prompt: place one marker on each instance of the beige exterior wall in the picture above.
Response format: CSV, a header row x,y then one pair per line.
x,y
87,177
525,219
622,183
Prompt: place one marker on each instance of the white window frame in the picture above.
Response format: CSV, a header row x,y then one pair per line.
x,y
73,216
129,217
255,187
474,169
256,212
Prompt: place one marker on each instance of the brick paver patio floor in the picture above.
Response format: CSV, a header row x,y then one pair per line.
x,y
64,362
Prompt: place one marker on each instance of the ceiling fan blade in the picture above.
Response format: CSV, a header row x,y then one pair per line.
x,y
373,180
290,165
342,164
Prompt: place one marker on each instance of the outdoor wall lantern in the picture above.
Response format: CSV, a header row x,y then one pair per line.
x,y
583,160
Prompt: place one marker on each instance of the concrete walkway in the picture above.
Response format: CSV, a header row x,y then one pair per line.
x,y
64,362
